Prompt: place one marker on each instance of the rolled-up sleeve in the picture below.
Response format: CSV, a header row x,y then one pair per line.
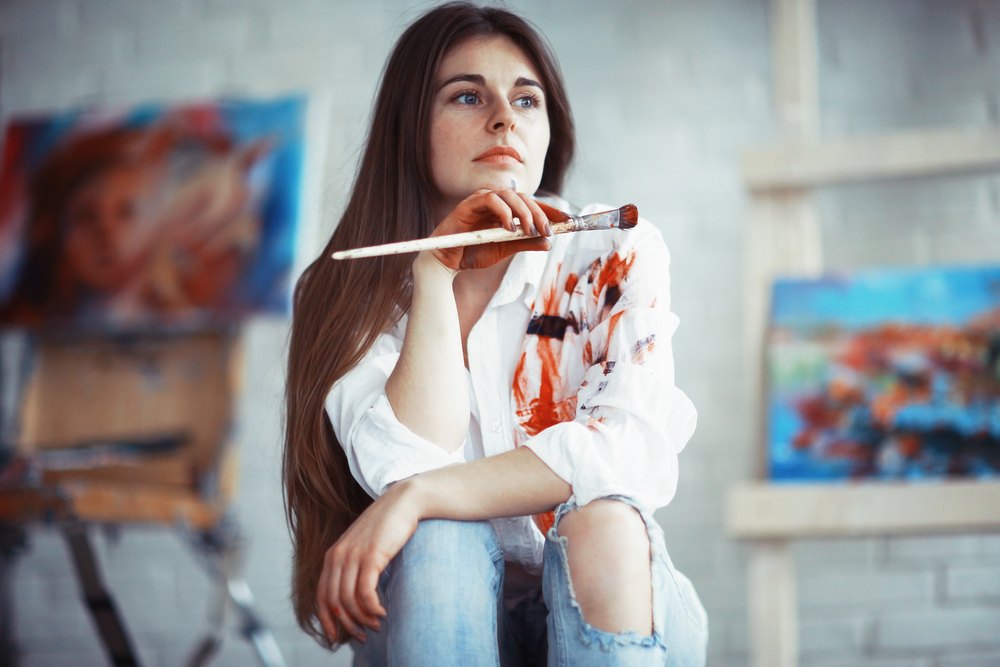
x,y
631,420
380,450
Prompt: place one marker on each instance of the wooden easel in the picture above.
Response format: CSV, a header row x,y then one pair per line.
x,y
127,430
784,239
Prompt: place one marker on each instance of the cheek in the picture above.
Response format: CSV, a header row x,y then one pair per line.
x,y
539,142
442,148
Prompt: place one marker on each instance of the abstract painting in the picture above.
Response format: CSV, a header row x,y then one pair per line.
x,y
156,216
887,374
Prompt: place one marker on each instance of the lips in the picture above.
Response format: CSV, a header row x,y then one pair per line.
x,y
498,154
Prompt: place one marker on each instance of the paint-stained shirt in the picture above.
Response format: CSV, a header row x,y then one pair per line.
x,y
572,357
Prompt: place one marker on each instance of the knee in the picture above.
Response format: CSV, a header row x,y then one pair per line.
x,y
436,539
606,526
608,557
446,568
450,552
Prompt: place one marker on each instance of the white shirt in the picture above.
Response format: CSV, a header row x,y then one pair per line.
x,y
589,388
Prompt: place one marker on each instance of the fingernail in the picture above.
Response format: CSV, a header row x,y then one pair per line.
x,y
548,229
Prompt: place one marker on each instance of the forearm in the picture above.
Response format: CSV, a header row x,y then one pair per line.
x,y
427,389
515,483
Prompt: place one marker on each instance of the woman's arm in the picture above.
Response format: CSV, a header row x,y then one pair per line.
x,y
428,392
427,389
515,483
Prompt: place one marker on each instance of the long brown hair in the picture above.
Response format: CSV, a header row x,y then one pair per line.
x,y
340,308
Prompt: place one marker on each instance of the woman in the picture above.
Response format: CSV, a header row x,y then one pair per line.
x,y
472,391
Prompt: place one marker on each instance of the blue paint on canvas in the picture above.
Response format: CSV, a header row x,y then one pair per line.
x,y
889,374
155,216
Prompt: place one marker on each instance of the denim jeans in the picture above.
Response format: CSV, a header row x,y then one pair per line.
x,y
443,593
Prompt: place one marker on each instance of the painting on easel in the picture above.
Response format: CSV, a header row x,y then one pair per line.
x,y
150,217
885,375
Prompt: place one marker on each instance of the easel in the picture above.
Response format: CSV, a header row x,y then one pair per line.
x,y
126,430
784,239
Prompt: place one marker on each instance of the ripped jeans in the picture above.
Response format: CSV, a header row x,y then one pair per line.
x,y
444,591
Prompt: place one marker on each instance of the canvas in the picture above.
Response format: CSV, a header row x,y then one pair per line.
x,y
886,374
154,217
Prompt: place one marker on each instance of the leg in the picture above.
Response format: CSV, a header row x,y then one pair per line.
x,y
613,594
441,594
608,553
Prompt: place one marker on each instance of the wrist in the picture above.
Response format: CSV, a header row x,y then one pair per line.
x,y
416,494
427,266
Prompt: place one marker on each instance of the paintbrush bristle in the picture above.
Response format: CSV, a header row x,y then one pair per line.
x,y
629,216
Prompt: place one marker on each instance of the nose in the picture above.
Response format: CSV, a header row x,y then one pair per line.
x,y
502,117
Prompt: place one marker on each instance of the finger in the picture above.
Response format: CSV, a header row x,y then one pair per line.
x,y
350,626
368,591
328,624
553,214
541,220
324,605
522,245
349,597
520,210
335,601
495,204
338,608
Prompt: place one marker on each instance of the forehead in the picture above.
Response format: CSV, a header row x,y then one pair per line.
x,y
494,57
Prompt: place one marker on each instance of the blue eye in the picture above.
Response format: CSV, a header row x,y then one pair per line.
x,y
467,98
527,102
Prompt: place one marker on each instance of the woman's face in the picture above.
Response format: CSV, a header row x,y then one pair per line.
x,y
489,123
105,220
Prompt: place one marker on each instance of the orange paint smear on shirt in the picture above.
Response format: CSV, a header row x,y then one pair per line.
x,y
612,323
545,410
613,272
550,302
571,282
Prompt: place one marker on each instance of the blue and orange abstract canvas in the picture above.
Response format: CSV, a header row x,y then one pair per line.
x,y
885,374
150,217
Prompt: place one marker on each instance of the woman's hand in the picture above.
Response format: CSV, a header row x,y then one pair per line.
x,y
347,596
495,208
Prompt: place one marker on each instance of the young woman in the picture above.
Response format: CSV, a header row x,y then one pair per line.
x,y
441,406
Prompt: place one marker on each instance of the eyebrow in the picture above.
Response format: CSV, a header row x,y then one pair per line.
x,y
479,79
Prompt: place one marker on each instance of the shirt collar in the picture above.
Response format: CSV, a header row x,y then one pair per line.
x,y
522,278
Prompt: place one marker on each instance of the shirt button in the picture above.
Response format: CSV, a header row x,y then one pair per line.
x,y
495,426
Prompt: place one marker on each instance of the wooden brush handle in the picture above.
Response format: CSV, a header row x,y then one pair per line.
x,y
620,218
479,237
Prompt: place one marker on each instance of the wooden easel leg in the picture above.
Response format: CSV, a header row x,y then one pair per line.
x,y
97,597
773,612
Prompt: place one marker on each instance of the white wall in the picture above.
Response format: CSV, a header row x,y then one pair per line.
x,y
666,95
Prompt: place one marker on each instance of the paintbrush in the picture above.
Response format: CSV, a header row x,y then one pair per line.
x,y
624,217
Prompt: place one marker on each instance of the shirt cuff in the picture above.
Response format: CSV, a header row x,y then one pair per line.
x,y
386,451
567,449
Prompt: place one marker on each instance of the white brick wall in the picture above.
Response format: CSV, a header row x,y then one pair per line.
x,y
666,95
